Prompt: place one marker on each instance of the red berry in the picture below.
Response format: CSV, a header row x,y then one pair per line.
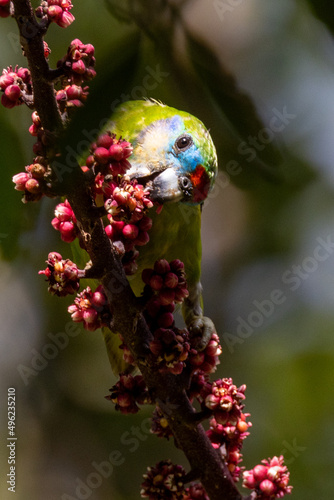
x,y
101,155
116,152
104,141
267,487
32,185
130,231
20,180
156,282
166,296
259,471
161,266
171,280
142,238
79,67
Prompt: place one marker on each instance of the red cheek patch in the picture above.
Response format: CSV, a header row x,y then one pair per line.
x,y
201,183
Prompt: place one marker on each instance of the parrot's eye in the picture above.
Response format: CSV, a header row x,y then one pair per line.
x,y
183,142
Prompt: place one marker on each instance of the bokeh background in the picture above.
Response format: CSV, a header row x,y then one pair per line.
x,y
268,237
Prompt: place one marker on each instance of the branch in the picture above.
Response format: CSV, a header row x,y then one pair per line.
x,y
165,389
31,38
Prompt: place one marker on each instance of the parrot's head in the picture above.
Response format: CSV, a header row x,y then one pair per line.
x,y
173,155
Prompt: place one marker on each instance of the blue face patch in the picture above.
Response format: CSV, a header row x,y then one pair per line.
x,y
189,159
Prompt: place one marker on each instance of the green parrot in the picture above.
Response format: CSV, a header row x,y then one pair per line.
x,y
175,159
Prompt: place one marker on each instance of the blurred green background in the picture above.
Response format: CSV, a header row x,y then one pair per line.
x,y
268,234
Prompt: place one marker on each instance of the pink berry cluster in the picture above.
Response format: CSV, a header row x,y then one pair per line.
x,y
33,182
128,393
167,280
125,201
108,155
170,348
128,223
195,491
206,361
224,399
228,438
70,97
91,308
57,11
165,481
228,428
16,86
64,221
75,68
270,479
78,64
61,274
4,8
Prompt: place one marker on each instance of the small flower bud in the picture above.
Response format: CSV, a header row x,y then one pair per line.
x,y
171,280
166,296
161,266
104,141
260,472
13,92
156,282
101,155
32,185
6,102
165,320
65,19
130,231
20,181
67,231
116,152
142,239
79,67
267,487
54,12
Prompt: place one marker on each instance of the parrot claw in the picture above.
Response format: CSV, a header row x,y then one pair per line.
x,y
201,329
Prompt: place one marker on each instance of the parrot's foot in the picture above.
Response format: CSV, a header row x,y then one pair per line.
x,y
201,329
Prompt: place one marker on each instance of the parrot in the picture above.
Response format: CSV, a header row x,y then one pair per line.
x,y
175,159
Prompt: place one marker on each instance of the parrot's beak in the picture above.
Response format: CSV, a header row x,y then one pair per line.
x,y
166,184
163,183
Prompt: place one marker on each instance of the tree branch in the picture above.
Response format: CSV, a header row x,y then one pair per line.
x,y
31,39
166,389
